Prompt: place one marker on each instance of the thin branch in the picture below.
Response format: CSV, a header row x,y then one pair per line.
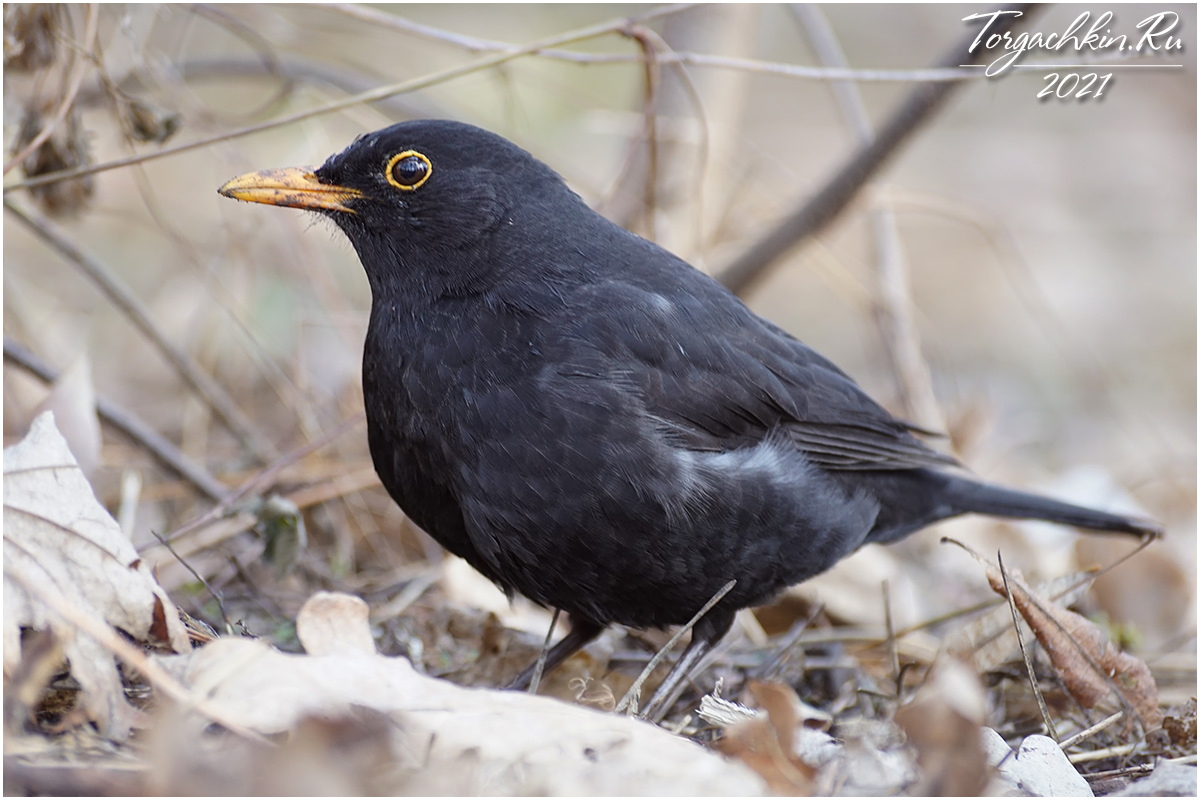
x,y
1068,743
540,665
1033,682
369,96
477,45
407,596
268,58
1135,771
225,298
814,214
892,301
893,651
790,641
263,478
124,299
651,77
1103,753
636,689
540,49
168,456
216,595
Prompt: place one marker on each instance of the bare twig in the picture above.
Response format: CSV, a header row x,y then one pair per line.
x,y
407,596
369,96
166,454
477,45
1033,682
290,70
893,652
1134,771
636,689
766,671
1071,741
540,665
263,478
216,595
650,71
269,59
992,602
225,299
137,313
892,301
1103,753
841,188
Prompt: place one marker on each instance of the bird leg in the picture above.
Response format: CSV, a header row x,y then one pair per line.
x,y
705,635
582,631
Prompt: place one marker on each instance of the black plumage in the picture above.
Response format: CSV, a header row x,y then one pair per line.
x,y
590,421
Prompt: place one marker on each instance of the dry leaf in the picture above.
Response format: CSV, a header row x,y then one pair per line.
x,y
73,401
991,642
1089,665
943,722
332,622
1038,768
59,538
767,745
1155,592
1180,726
465,587
446,739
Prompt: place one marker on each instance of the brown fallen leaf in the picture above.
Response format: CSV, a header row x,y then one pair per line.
x,y
943,723
767,745
1180,727
991,641
1091,668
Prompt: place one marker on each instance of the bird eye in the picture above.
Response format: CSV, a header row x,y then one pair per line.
x,y
408,170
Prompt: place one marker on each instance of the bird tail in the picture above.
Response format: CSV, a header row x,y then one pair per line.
x,y
967,496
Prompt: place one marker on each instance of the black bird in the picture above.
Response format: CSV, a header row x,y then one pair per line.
x,y
589,420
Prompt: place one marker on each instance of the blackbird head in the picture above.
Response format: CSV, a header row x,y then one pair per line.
x,y
426,200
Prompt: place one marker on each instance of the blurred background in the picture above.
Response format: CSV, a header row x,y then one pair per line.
x,y
1046,252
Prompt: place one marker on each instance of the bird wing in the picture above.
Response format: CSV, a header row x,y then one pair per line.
x,y
717,377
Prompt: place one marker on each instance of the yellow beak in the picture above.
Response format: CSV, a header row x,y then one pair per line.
x,y
295,187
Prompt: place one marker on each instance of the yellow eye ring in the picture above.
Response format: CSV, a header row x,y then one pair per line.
x,y
414,170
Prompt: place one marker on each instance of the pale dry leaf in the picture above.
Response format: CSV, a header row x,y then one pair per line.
x,y
1038,768
783,709
72,398
1155,593
57,535
465,587
873,759
332,622
450,739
